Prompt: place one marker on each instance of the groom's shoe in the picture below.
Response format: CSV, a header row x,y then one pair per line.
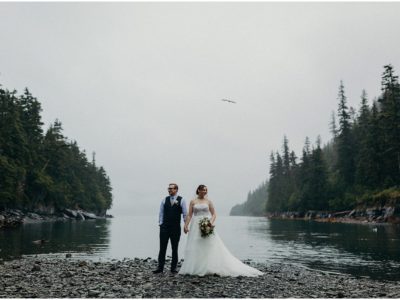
x,y
174,271
158,270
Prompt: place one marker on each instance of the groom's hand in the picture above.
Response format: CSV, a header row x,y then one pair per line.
x,y
185,230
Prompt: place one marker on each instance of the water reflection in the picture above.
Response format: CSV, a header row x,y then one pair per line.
x,y
60,237
361,250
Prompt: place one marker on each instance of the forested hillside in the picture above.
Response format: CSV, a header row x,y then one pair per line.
x,y
43,168
255,203
360,165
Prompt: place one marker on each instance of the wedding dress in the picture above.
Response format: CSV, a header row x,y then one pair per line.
x,y
208,255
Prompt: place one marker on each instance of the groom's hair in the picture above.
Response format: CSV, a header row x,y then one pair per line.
x,y
175,185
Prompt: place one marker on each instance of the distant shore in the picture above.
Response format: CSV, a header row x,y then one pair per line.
x,y
386,215
32,277
347,220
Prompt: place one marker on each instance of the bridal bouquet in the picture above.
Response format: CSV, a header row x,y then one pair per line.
x,y
206,228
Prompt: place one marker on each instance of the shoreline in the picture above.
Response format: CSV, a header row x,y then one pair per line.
x,y
366,217
32,277
12,218
343,220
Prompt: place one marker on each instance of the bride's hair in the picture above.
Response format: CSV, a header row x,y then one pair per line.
x,y
200,187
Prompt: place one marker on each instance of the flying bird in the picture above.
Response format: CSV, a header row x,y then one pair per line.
x,y
227,100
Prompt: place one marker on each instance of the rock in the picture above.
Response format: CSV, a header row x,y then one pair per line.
x,y
147,286
15,212
93,293
71,213
69,274
34,216
80,217
111,295
389,212
68,255
88,215
82,263
39,242
35,268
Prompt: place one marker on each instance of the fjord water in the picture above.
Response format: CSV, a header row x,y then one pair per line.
x,y
357,249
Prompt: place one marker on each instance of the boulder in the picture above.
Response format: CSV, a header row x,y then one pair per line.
x,y
71,213
389,211
88,215
15,212
34,216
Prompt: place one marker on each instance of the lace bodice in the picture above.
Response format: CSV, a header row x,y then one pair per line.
x,y
201,210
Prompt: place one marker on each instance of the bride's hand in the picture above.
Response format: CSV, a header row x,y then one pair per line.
x,y
185,229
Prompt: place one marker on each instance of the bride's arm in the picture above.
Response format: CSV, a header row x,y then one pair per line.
x,y
212,211
188,217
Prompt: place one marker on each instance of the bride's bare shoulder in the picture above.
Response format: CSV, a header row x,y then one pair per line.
x,y
193,201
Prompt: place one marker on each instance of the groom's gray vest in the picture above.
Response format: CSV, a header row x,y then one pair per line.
x,y
172,213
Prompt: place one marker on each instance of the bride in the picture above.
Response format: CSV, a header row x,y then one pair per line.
x,y
208,255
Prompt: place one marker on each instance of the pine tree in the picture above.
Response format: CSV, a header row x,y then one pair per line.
x,y
318,197
345,143
365,159
286,155
333,126
390,123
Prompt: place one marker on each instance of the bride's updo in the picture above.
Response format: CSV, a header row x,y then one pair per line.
x,y
200,187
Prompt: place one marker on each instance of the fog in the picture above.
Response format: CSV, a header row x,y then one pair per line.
x,y
141,84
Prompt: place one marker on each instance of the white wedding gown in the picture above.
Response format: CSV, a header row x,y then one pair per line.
x,y
209,255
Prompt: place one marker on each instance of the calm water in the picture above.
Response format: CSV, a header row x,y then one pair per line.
x,y
362,250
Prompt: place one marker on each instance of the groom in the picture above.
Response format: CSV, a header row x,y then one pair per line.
x,y
170,226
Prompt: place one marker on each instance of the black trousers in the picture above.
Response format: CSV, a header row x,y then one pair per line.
x,y
166,234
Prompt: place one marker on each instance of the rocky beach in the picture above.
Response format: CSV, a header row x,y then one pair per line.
x,y
50,277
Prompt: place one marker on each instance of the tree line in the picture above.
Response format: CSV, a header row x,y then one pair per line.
x,y
359,165
44,169
255,203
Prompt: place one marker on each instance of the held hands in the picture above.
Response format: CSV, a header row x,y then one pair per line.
x,y
185,229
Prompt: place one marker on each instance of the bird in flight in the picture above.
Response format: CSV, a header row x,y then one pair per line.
x,y
227,100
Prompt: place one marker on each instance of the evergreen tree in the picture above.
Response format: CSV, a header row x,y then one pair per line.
x,y
44,170
255,203
365,171
390,123
345,148
286,156
333,126
360,163
318,197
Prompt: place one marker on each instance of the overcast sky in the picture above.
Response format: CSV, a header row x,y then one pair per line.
x,y
141,84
